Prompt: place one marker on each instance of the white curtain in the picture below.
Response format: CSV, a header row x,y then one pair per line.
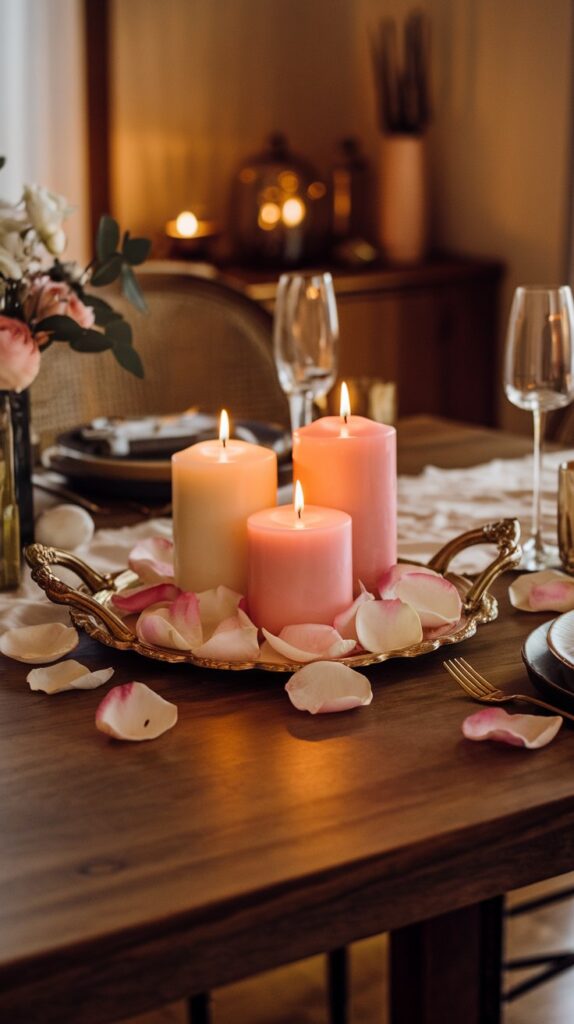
x,y
43,105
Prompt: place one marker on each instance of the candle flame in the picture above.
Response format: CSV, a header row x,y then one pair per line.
x,y
345,402
299,502
224,427
187,224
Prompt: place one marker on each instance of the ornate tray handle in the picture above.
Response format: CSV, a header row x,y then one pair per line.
x,y
505,533
40,559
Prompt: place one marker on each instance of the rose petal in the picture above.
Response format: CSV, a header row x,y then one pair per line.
x,y
138,598
530,731
545,591
41,644
436,600
64,526
390,578
134,712
234,639
184,614
326,686
152,560
154,627
384,626
345,622
67,675
217,605
309,642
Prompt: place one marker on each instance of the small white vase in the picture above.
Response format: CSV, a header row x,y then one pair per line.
x,y
403,198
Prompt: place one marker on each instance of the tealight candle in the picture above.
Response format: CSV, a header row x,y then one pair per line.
x,y
349,462
216,485
300,565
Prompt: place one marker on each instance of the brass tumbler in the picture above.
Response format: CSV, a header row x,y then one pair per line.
x,y
566,515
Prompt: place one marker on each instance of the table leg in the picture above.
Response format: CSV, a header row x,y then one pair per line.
x,y
338,985
449,967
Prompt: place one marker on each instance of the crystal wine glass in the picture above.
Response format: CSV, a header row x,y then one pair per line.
x,y
305,340
539,376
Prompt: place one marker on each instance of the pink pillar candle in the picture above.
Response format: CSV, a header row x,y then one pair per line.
x,y
350,464
300,569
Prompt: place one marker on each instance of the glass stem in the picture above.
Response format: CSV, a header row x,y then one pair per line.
x,y
301,408
539,423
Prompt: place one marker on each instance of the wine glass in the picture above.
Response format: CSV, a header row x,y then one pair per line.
x,y
539,376
305,340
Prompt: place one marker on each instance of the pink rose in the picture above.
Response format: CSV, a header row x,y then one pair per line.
x,y
19,355
56,298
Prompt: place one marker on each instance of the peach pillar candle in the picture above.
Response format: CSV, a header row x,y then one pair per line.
x,y
349,462
300,565
216,485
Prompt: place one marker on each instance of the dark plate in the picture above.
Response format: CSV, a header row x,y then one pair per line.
x,y
553,679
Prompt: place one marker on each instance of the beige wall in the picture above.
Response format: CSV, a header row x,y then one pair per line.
x,y
199,83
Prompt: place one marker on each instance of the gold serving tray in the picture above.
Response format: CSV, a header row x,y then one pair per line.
x,y
91,606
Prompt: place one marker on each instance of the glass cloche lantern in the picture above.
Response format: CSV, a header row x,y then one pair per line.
x,y
279,209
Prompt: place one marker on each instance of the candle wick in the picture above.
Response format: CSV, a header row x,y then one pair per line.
x,y
299,511
345,417
224,441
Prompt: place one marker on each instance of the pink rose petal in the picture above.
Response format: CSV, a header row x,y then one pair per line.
x,y
154,627
184,614
152,560
345,622
138,598
326,686
384,626
530,731
545,591
234,639
309,642
134,712
390,578
436,600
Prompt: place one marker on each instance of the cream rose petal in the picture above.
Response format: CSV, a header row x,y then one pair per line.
x,y
325,686
134,712
390,578
152,560
217,605
40,644
155,627
234,639
530,731
309,642
138,598
436,600
67,675
548,590
384,626
64,526
344,622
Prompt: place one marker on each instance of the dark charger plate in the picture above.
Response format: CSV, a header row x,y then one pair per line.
x,y
549,675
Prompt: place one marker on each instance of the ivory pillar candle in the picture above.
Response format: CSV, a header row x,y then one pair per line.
x,y
216,485
300,566
349,463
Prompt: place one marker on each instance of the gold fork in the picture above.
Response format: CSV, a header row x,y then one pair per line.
x,y
480,689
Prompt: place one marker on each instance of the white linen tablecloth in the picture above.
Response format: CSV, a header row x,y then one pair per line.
x,y
433,508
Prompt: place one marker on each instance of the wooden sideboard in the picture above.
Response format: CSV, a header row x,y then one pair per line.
x,y
432,328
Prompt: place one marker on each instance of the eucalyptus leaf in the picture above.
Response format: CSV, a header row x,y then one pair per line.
x,y
107,271
129,359
103,312
91,341
63,328
132,290
136,250
120,332
107,238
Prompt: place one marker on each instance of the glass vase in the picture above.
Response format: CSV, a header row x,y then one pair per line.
x,y
10,564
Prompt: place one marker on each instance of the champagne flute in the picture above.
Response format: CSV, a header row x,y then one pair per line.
x,y
539,376
305,340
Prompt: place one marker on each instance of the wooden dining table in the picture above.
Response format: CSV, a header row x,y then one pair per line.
x,y
252,835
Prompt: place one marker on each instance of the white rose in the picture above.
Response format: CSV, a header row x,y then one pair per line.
x,y
13,258
47,211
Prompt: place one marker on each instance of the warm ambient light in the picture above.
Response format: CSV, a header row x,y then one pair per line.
x,y
299,501
224,427
293,212
269,216
345,402
187,224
